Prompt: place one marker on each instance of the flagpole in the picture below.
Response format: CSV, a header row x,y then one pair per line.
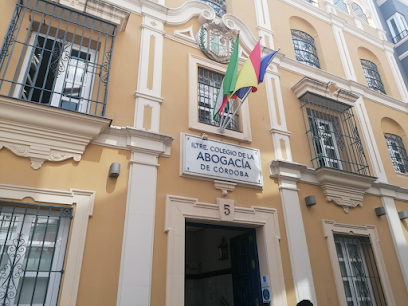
x,y
222,127
225,123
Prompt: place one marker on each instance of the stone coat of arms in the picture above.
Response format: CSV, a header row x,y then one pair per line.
x,y
216,40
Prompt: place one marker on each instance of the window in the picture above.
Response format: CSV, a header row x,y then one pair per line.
x,y
341,5
361,280
305,49
372,75
397,152
219,6
398,27
209,83
64,57
358,11
33,240
334,140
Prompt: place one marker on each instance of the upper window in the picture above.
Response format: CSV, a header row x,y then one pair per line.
x,y
358,11
219,6
305,49
361,280
33,240
397,152
372,75
341,5
63,57
333,136
398,27
209,83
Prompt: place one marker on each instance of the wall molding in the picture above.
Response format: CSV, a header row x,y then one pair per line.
x,y
84,201
301,173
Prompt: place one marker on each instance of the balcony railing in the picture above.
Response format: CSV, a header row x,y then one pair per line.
x,y
55,56
400,36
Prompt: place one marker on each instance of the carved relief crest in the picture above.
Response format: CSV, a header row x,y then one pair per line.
x,y
216,40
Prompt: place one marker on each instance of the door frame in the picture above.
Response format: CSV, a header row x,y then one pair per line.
x,y
263,220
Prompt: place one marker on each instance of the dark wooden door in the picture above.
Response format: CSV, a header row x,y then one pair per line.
x,y
245,270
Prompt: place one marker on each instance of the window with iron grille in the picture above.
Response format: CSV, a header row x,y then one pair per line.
x,y
305,49
209,83
372,75
55,56
397,152
219,6
341,5
332,133
398,27
33,241
361,280
358,11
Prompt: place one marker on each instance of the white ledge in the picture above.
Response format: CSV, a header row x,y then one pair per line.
x,y
44,133
136,140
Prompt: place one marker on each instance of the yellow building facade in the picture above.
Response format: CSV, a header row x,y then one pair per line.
x,y
117,186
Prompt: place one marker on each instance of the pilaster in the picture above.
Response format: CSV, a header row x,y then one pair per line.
x,y
397,233
295,230
138,237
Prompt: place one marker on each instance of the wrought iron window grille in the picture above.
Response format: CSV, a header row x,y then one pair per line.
x,y
33,240
219,6
359,272
372,75
358,11
400,36
209,83
332,134
55,56
305,49
397,152
341,5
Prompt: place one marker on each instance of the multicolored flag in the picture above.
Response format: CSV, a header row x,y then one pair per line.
x,y
248,76
228,83
264,65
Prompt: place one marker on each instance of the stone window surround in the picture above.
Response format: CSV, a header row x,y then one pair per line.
x,y
330,227
84,201
193,62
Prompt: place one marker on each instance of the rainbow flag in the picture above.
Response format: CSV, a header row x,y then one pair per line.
x,y
248,76
228,83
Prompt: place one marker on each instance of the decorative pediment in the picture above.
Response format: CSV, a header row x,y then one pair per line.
x,y
327,90
343,188
43,133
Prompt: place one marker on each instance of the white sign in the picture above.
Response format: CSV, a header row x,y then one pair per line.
x,y
219,160
264,281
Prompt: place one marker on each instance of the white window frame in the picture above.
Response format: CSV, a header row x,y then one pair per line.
x,y
346,259
23,227
84,203
330,227
400,22
324,146
194,124
84,105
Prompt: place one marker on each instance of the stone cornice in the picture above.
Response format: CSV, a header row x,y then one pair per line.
x,y
45,133
299,173
136,140
328,90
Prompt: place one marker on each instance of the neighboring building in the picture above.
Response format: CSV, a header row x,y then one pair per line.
x,y
392,14
303,194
